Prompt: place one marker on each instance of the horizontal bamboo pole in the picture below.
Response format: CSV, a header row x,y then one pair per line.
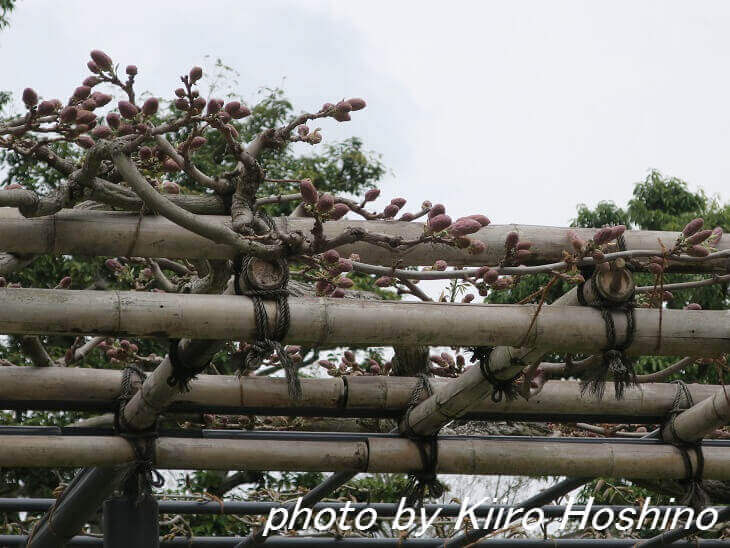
x,y
373,454
380,396
106,233
322,321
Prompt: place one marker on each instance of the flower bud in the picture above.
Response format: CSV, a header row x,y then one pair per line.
x,y
214,105
308,191
127,109
439,223
46,108
145,154
440,265
326,364
602,236
522,255
231,107
181,104
356,103
464,226
68,114
407,217
232,131
331,256
343,106
241,112
196,73
338,293
693,226
502,283
170,165
81,93
654,268
224,116
113,265
339,211
85,141
390,211
384,281
372,194
490,276
481,219
693,306
326,106
699,237
438,209
150,106
101,59
375,369
345,283
65,282
114,121
469,297
30,97
102,132
510,242
85,117
698,251
476,247
342,116
325,203
462,242
199,103
303,130
87,104
716,235
91,81
101,99
398,202
169,187
93,67
344,265
131,70
617,231
322,286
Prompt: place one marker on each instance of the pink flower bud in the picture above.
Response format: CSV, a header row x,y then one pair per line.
x,y
145,154
197,142
214,106
303,130
131,70
522,255
180,92
322,286
101,59
224,116
344,265
232,131
384,281
127,109
407,217
101,99
356,103
87,104
65,282
343,106
439,223
339,211
345,283
46,108
169,187
85,141
398,202
699,237
390,211
698,251
342,116
440,265
81,93
93,67
502,283
602,236
325,203
85,117
469,297
199,103
481,219
372,194
241,112
30,97
693,226
91,81
693,306
114,121
82,128
617,231
150,106
170,165
102,132
331,256
375,369
338,293
326,364
464,226
196,73
510,242
308,191
716,235
231,107
490,276
476,247
113,265
181,104
438,209
326,106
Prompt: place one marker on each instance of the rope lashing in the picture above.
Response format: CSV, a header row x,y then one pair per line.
x,y
502,389
143,474
616,363
268,341
424,483
695,495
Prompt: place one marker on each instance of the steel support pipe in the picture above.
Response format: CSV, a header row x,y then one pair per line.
x,y
323,321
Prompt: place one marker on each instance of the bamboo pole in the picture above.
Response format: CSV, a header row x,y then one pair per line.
x,y
371,454
699,420
323,321
106,233
355,396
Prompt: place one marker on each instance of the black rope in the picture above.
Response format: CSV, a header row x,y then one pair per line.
x,y
695,495
143,476
181,375
425,482
502,389
615,363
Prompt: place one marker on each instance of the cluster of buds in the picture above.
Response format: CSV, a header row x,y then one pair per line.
x,y
293,351
596,246
306,136
322,207
695,241
349,366
119,352
439,223
341,111
516,251
4,283
329,281
446,365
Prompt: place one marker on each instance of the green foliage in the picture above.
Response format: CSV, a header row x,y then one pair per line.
x,y
6,6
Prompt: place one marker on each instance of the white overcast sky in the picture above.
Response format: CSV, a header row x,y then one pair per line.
x,y
519,110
